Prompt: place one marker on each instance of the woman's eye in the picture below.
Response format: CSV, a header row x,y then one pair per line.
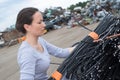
x,y
39,22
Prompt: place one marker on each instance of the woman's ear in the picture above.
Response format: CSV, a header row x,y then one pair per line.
x,y
27,27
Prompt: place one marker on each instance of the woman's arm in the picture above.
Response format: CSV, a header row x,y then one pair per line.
x,y
56,51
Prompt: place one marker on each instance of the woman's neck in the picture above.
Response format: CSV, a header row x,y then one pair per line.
x,y
32,40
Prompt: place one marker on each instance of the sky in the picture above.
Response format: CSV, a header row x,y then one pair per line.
x,y
10,8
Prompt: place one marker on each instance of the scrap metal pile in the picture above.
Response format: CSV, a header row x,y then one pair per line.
x,y
96,57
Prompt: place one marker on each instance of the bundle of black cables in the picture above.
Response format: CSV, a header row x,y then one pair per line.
x,y
96,57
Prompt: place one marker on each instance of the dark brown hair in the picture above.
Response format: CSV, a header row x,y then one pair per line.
x,y
25,16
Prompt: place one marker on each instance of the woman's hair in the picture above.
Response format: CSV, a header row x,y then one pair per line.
x,y
25,16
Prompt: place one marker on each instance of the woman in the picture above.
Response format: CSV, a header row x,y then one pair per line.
x,y
33,55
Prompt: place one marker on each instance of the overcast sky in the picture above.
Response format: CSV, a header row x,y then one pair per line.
x,y
10,8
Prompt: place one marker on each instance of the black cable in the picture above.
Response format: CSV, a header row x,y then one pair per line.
x,y
95,60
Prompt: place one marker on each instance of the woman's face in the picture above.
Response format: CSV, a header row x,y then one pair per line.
x,y
38,26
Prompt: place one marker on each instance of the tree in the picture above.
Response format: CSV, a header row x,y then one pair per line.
x,y
79,4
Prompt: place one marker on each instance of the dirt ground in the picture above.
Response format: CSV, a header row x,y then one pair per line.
x,y
63,37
